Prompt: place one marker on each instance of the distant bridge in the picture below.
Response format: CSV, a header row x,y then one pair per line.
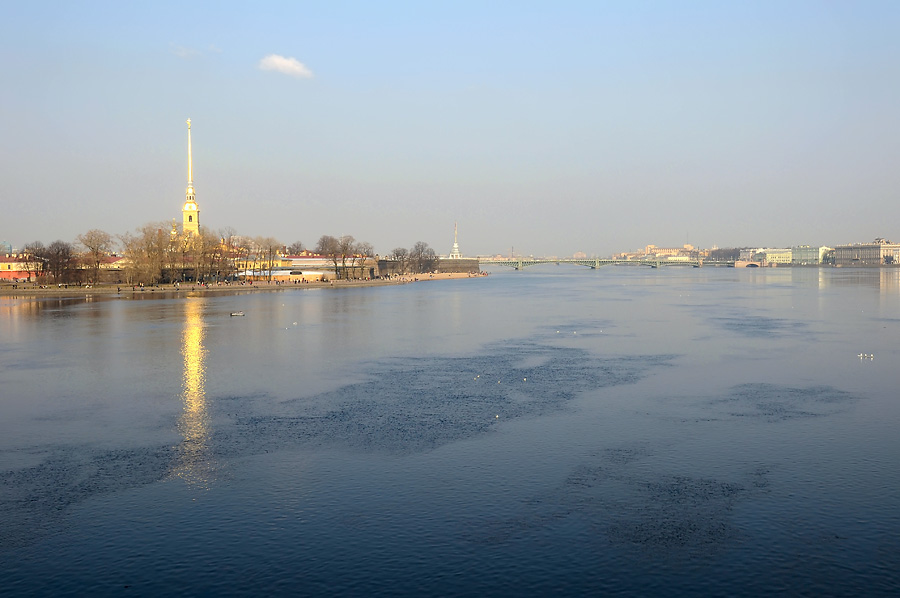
x,y
592,263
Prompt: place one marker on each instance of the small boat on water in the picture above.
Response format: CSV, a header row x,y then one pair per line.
x,y
237,313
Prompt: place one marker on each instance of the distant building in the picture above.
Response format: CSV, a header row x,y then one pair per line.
x,y
5,248
454,252
880,252
766,255
113,262
775,255
19,269
685,252
803,255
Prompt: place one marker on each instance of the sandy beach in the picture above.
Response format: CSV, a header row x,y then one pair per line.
x,y
8,289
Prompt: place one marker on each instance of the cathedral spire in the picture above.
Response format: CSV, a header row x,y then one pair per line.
x,y
454,253
190,212
190,164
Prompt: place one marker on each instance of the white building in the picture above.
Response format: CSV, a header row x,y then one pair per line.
x,y
880,252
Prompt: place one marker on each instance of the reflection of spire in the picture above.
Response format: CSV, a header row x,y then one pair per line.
x,y
194,465
454,253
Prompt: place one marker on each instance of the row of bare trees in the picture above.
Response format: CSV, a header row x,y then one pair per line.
x,y
257,255
154,253
348,257
59,260
419,259
158,253
64,262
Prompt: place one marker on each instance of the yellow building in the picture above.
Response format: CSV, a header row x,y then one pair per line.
x,y
778,255
20,268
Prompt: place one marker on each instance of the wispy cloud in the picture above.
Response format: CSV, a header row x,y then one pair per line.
x,y
183,51
288,66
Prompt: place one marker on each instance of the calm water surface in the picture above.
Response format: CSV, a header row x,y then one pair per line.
x,y
626,431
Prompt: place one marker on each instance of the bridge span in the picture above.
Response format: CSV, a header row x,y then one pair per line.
x,y
592,263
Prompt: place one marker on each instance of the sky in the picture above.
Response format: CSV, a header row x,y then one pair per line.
x,y
543,128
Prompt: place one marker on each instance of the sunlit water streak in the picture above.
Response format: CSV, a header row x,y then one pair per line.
x,y
195,463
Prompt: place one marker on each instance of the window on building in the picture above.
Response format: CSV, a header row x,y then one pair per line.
x,y
190,218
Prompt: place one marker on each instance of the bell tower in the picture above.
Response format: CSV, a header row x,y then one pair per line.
x,y
190,213
454,253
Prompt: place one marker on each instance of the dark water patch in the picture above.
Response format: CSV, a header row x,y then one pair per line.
x,y
676,512
774,403
414,404
762,326
34,500
405,406
628,505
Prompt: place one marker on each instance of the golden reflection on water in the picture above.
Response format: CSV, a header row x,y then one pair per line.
x,y
195,465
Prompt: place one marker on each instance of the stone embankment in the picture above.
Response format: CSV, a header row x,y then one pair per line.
x,y
39,290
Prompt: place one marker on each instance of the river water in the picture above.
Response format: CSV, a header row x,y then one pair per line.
x,y
624,431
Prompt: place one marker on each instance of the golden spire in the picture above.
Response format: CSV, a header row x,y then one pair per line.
x,y
190,212
190,163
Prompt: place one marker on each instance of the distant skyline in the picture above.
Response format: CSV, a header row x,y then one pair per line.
x,y
553,128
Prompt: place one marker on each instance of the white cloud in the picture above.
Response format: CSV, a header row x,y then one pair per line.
x,y
288,66
183,51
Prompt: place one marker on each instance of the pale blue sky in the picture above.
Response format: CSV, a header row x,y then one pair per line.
x,y
553,127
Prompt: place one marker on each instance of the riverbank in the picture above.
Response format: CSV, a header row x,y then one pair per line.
x,y
64,291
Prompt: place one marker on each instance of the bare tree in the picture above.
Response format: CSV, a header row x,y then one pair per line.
x,y
330,247
362,252
401,256
231,254
186,247
345,253
212,256
422,258
347,246
295,248
35,259
268,248
98,244
244,252
149,253
61,260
